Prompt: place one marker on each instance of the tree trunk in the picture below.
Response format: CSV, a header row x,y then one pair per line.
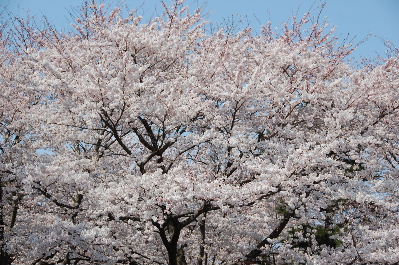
x,y
172,254
202,246
5,258
174,228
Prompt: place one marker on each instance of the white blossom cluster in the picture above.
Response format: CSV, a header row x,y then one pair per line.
x,y
158,143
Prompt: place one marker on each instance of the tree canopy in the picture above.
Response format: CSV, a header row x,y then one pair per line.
x,y
131,142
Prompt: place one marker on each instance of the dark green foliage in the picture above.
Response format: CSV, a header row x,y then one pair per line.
x,y
324,236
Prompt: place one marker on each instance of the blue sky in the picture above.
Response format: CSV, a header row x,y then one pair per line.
x,y
374,20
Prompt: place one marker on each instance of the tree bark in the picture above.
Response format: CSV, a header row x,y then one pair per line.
x,y
256,252
5,258
174,228
202,246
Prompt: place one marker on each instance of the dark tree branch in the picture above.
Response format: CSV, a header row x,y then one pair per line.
x,y
108,122
15,211
142,140
150,133
45,193
256,252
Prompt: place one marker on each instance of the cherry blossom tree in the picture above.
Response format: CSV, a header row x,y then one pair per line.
x,y
158,143
17,140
